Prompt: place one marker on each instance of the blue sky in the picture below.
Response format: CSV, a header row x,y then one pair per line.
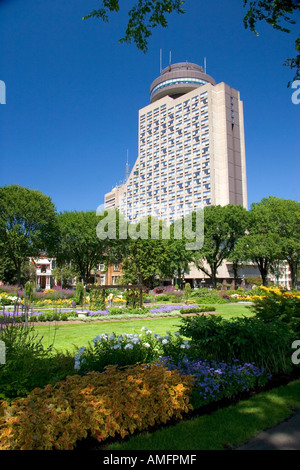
x,y
73,94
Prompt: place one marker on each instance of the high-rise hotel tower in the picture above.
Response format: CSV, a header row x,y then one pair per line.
x,y
191,149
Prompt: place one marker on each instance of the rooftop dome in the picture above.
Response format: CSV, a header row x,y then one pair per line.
x,y
178,79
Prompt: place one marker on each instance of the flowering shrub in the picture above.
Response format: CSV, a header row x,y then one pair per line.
x,y
278,304
110,349
217,380
18,316
114,402
261,292
56,303
6,299
128,348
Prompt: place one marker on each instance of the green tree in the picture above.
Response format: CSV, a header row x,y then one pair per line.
x,y
27,225
148,14
223,227
285,217
143,254
262,243
176,257
65,274
278,14
78,242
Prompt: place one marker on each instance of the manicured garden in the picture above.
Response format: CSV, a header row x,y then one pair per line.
x,y
117,377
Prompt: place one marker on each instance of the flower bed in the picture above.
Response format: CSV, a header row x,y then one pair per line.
x,y
217,380
120,384
170,308
100,405
116,313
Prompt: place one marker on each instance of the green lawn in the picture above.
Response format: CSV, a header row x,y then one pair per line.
x,y
71,336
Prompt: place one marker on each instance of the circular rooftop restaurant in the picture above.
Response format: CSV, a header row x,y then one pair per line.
x,y
178,79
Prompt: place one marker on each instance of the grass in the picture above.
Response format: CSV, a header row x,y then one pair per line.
x,y
72,336
225,428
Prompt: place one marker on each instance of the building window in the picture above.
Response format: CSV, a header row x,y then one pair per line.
x,y
115,280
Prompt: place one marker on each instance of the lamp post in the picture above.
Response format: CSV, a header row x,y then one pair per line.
x,y
95,274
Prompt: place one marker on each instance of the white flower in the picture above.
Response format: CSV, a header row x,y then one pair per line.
x,y
116,346
165,341
129,346
148,332
135,340
144,329
111,337
147,345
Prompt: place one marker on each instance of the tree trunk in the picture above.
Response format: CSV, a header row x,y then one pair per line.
x,y
263,269
235,268
214,276
293,265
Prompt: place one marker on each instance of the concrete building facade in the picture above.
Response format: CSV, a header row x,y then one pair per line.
x,y
191,148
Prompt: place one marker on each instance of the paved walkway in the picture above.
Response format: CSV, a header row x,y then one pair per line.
x,y
284,436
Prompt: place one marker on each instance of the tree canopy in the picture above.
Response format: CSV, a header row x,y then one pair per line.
x,y
27,225
78,243
148,14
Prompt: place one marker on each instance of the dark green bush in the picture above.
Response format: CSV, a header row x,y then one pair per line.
x,y
116,310
204,308
267,345
28,364
283,306
210,299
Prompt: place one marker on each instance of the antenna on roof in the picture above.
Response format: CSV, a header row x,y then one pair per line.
x,y
205,64
160,63
170,60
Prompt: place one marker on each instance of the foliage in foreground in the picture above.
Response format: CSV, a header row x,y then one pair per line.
x,y
28,363
213,338
114,402
277,304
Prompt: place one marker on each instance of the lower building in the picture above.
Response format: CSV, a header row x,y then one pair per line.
x,y
43,272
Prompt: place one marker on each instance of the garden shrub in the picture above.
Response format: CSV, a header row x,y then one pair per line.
x,y
79,293
28,363
129,348
204,308
267,345
137,311
211,299
276,303
187,291
116,310
122,350
164,298
209,296
97,300
112,403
